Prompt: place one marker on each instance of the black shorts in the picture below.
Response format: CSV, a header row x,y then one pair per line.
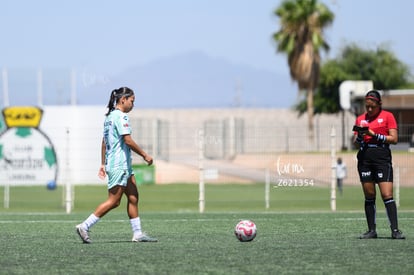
x,y
375,165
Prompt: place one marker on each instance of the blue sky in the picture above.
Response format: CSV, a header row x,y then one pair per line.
x,y
106,37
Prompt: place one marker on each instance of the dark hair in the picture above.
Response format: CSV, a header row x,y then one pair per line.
x,y
116,95
374,95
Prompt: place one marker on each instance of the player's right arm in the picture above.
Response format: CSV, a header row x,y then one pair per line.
x,y
102,172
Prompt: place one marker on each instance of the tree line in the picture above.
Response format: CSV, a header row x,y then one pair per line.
x,y
301,38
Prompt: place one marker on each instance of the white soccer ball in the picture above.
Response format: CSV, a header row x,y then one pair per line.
x,y
245,231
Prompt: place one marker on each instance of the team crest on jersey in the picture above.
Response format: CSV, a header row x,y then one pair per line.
x,y
380,120
125,118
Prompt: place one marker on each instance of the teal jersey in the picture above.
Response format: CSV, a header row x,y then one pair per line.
x,y
118,154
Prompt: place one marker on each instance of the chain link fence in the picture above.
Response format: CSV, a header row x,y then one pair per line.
x,y
243,149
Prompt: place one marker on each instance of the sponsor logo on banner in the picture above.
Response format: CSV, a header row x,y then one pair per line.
x,y
27,156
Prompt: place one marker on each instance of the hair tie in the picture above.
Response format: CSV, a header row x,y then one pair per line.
x,y
373,98
374,95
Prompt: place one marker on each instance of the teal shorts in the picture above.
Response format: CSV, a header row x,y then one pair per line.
x,y
118,177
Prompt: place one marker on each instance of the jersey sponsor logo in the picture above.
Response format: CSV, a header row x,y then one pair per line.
x,y
380,120
366,174
126,125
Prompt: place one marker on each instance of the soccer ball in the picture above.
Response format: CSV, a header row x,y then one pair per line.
x,y
245,231
51,185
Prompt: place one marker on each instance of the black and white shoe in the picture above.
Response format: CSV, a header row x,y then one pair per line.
x,y
370,234
397,234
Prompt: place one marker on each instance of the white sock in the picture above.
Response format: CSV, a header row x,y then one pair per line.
x,y
90,221
136,226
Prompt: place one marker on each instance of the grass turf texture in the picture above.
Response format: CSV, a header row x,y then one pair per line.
x,y
191,243
184,198
297,235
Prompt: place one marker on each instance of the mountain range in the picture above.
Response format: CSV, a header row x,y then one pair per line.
x,y
189,80
196,80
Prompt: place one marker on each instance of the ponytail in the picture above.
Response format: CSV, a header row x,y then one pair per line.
x,y
116,95
111,103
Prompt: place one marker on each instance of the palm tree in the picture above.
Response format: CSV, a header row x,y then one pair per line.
x,y
300,37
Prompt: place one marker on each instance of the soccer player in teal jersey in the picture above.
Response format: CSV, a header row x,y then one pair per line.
x,y
117,144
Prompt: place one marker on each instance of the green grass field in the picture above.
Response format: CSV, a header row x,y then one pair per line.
x,y
298,234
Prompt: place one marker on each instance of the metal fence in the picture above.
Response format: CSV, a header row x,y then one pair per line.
x,y
238,145
241,150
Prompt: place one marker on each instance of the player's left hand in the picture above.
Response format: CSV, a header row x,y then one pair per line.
x,y
102,172
148,159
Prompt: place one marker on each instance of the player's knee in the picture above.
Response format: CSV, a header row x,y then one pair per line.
x,y
387,196
115,204
133,199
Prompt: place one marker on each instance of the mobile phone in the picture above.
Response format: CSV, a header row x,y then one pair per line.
x,y
359,129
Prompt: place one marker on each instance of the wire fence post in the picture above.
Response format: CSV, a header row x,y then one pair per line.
x,y
7,196
201,197
333,161
267,188
5,78
68,185
397,186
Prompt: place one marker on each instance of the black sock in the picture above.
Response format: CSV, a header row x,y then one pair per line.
x,y
391,208
370,213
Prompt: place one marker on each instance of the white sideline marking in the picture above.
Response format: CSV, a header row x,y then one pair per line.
x,y
182,220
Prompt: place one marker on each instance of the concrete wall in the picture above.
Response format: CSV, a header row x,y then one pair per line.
x,y
76,133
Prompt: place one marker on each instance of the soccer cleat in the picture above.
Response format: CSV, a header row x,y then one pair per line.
x,y
397,234
144,238
370,234
83,234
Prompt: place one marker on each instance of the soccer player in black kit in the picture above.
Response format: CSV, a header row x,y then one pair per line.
x,y
378,130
